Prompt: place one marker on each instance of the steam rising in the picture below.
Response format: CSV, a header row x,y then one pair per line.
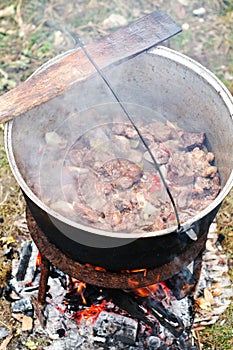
x,y
88,117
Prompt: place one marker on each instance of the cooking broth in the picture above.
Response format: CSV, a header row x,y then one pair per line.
x,y
107,179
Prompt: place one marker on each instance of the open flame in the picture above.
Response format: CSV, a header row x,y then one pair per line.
x,y
96,268
91,313
77,287
38,260
136,271
159,291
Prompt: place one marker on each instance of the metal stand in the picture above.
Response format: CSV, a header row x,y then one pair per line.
x,y
120,280
44,276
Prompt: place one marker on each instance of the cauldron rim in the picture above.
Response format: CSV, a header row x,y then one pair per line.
x,y
166,53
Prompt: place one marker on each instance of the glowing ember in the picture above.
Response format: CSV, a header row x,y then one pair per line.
x,y
136,271
38,259
97,268
80,290
158,291
77,288
90,313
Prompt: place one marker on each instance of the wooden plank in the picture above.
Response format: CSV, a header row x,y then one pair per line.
x,y
75,67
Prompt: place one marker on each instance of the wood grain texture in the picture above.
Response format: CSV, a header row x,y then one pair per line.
x,y
75,66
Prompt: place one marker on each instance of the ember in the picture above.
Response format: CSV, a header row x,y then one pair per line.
x,y
91,313
76,287
160,316
158,290
38,260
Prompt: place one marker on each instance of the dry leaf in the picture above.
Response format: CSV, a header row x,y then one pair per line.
x,y
18,317
6,342
216,289
179,10
7,11
7,240
203,304
27,323
208,296
114,20
21,224
210,247
31,345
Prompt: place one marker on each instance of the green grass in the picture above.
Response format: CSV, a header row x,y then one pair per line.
x,y
210,42
219,336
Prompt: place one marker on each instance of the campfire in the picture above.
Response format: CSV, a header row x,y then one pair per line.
x,y
131,175
79,315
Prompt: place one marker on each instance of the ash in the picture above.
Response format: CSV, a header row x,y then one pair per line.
x,y
85,317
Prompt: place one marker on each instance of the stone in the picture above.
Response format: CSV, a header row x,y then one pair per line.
x,y
4,332
199,12
114,20
27,323
22,306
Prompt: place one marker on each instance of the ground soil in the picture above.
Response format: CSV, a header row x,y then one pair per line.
x,y
33,31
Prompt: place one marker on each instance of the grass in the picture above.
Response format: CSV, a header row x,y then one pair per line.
x,y
220,335
38,31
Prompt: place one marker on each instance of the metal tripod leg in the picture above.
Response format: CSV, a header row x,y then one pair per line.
x,y
44,276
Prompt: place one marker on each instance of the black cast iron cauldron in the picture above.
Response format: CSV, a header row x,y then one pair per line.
x,y
178,89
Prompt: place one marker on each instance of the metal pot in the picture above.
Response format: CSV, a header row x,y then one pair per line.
x,y
160,80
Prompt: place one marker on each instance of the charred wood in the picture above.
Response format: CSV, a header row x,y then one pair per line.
x,y
24,261
129,304
182,284
167,319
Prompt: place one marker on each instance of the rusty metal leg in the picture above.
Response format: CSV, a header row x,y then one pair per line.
x,y
39,303
45,267
197,265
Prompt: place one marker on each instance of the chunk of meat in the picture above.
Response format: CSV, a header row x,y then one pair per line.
x,y
172,146
180,169
160,153
113,219
87,213
122,173
206,187
160,131
201,165
127,130
77,156
193,139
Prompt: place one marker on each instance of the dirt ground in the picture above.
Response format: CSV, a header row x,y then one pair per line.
x,y
33,31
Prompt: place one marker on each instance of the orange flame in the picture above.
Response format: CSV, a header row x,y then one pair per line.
x,y
132,283
155,290
136,271
78,288
38,260
91,313
97,268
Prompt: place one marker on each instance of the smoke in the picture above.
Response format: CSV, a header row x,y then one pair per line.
x,y
83,117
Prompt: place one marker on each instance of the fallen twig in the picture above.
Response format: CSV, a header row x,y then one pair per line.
x,y
6,342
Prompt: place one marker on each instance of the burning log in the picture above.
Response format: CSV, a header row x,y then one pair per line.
x,y
136,309
24,261
167,319
182,284
127,303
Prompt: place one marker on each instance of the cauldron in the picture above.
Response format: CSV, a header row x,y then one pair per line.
x,y
161,80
